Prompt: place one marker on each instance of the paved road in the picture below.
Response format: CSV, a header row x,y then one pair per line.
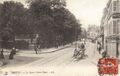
x,y
62,63
61,58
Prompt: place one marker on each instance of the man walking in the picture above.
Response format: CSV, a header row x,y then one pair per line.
x,y
99,47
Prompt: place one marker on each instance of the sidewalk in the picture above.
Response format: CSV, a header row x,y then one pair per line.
x,y
93,53
27,56
95,56
44,51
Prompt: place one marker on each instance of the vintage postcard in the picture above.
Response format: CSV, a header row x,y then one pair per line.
x,y
59,37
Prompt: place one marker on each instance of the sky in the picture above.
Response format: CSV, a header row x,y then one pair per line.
x,y
89,12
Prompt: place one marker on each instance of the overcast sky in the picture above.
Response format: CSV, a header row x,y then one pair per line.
x,y
87,11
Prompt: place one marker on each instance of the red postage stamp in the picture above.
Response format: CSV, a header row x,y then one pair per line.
x,y
108,66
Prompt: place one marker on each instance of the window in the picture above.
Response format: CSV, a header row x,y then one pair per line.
x,y
114,3
110,31
114,6
118,26
114,27
114,9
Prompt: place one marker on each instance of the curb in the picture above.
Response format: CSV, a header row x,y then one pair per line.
x,y
50,51
55,50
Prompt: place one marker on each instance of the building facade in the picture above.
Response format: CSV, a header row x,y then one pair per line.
x,y
111,27
92,32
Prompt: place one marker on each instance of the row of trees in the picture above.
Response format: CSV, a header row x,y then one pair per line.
x,y
54,23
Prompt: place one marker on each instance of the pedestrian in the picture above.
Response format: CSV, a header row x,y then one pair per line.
x,y
105,54
36,49
99,47
1,54
36,45
12,53
83,48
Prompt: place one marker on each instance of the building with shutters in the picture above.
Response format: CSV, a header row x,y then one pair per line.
x,y
111,27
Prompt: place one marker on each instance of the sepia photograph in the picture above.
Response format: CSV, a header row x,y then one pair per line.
x,y
59,37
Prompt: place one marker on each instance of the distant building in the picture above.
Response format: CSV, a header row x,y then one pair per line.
x,y
111,27
92,32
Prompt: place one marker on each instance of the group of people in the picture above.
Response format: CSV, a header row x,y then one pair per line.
x,y
79,51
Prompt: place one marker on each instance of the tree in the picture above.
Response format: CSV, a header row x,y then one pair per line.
x,y
67,24
13,13
55,24
6,35
0,15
